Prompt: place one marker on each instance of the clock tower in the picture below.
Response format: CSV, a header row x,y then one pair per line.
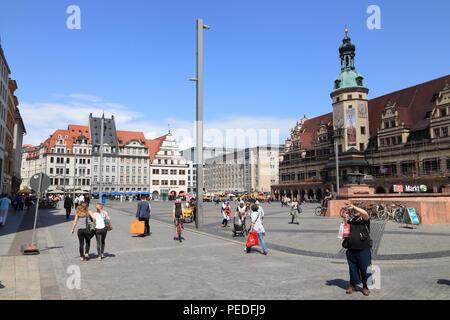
x,y
350,102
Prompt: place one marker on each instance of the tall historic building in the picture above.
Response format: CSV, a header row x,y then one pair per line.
x,y
131,163
399,139
168,168
12,130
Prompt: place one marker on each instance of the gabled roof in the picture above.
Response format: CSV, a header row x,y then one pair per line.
x,y
413,104
308,133
153,146
124,137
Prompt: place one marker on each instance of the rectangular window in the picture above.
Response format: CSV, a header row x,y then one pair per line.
x,y
164,182
165,171
361,147
173,172
155,182
437,133
155,171
445,132
173,182
363,130
182,182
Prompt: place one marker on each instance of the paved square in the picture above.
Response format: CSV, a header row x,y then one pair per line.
x,y
305,261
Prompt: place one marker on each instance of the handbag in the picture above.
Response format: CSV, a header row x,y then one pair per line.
x,y
252,239
108,225
137,227
90,226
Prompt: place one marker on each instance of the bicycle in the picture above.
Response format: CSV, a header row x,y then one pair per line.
x,y
179,228
321,211
398,212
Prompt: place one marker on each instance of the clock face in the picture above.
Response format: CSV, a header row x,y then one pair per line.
x,y
362,110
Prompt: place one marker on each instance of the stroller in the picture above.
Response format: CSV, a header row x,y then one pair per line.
x,y
239,226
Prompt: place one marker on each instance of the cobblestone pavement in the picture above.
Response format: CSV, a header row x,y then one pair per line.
x,y
304,261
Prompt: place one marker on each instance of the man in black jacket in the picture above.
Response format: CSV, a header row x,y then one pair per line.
x,y
143,214
68,204
358,245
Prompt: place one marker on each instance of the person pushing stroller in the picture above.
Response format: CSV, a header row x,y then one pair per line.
x,y
239,219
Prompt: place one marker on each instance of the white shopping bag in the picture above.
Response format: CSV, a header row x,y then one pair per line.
x,y
341,231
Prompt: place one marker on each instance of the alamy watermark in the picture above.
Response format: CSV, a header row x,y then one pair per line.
x,y
73,22
374,281
374,19
73,282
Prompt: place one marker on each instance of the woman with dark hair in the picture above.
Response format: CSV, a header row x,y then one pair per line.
x,y
177,215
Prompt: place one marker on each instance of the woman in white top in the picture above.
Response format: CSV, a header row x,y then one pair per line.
x,y
294,210
257,226
99,217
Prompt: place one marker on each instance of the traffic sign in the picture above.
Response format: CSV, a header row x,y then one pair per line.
x,y
42,179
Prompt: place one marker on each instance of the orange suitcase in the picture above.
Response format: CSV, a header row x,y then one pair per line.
x,y
137,227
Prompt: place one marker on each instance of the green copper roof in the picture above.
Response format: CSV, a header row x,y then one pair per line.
x,y
349,77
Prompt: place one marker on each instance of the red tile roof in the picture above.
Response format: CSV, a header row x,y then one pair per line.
x,y
308,134
413,104
153,146
126,136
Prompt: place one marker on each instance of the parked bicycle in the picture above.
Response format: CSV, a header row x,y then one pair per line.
x,y
321,211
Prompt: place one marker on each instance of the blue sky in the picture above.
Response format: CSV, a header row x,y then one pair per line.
x,y
267,62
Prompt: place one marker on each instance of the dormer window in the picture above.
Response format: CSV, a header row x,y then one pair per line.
x,y
444,112
337,84
359,81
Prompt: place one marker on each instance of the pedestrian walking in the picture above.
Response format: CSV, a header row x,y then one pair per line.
x,y
85,227
5,202
143,214
226,212
295,209
101,219
177,215
258,227
68,205
28,202
358,245
260,209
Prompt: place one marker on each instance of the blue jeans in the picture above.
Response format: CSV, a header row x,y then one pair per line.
x,y
358,262
262,242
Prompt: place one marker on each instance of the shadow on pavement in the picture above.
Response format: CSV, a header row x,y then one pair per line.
x,y
1,286
444,282
343,284
46,218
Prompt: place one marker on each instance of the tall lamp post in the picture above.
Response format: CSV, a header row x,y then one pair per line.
x,y
199,123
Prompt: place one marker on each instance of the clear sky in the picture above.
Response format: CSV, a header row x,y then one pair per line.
x,y
267,62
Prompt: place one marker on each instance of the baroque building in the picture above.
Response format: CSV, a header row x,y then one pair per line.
x,y
130,164
398,139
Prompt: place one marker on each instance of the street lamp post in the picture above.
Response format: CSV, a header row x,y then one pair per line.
x,y
199,123
336,151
